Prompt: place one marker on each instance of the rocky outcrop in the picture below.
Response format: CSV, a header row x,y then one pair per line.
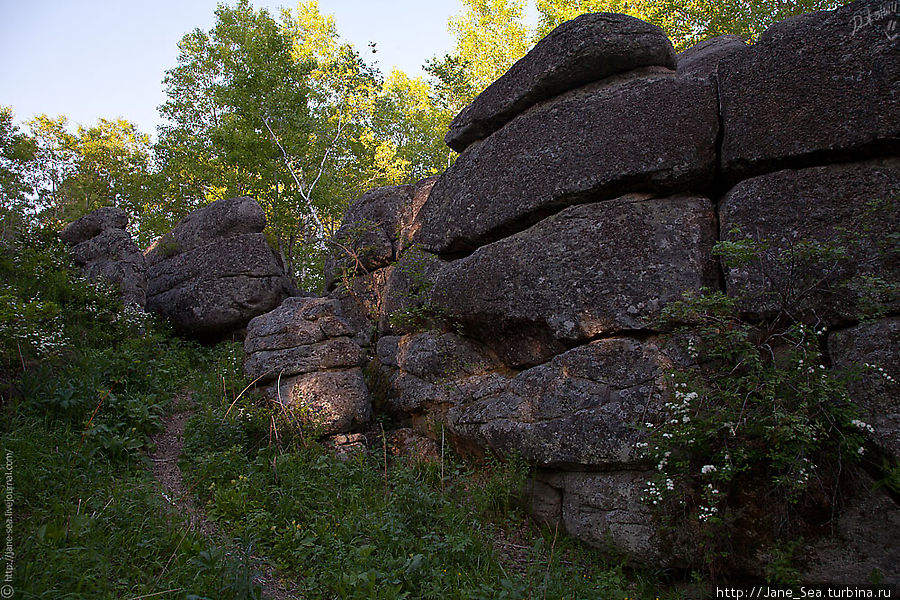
x,y
591,270
605,510
514,302
105,251
92,224
872,350
219,220
586,407
304,348
559,153
862,545
215,270
821,86
425,369
586,49
831,206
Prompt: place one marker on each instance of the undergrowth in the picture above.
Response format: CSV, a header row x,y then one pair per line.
x,y
86,383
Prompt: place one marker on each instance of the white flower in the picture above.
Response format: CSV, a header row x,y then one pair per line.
x,y
862,426
707,469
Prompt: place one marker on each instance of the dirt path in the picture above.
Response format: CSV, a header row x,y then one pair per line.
x,y
165,468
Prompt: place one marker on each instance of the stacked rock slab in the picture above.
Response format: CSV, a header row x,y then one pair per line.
x,y
561,152
850,207
104,250
588,196
303,350
588,48
215,270
815,88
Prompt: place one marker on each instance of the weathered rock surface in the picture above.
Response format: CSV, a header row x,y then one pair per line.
x,y
877,392
104,250
212,289
302,335
405,303
604,510
362,301
214,271
862,545
332,401
824,205
702,60
221,219
819,86
584,407
92,224
590,270
647,131
303,347
422,369
588,48
367,233
376,230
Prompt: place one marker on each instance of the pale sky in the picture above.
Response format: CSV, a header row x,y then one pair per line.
x,y
106,58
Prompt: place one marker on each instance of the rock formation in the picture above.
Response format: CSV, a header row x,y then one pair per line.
x,y
303,350
516,299
104,250
215,270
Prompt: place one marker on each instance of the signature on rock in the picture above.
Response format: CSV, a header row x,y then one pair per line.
x,y
889,11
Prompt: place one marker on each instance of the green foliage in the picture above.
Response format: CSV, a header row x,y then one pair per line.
x,y
758,431
686,22
352,530
17,154
45,303
90,527
78,412
417,312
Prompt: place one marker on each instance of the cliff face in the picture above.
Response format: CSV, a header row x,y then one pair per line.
x,y
516,298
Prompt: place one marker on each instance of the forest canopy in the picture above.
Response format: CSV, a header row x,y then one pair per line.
x,y
279,108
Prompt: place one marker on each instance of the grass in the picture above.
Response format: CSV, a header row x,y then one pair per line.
x,y
89,520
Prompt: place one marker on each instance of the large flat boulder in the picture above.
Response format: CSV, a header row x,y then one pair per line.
x,y
873,348
585,407
588,48
646,131
215,270
591,270
816,87
822,239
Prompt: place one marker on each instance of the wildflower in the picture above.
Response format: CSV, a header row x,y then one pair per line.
x,y
707,469
862,426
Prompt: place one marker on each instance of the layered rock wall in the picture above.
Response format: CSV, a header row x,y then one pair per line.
x,y
515,299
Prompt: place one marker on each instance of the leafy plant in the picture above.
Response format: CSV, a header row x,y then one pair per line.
x,y
752,448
